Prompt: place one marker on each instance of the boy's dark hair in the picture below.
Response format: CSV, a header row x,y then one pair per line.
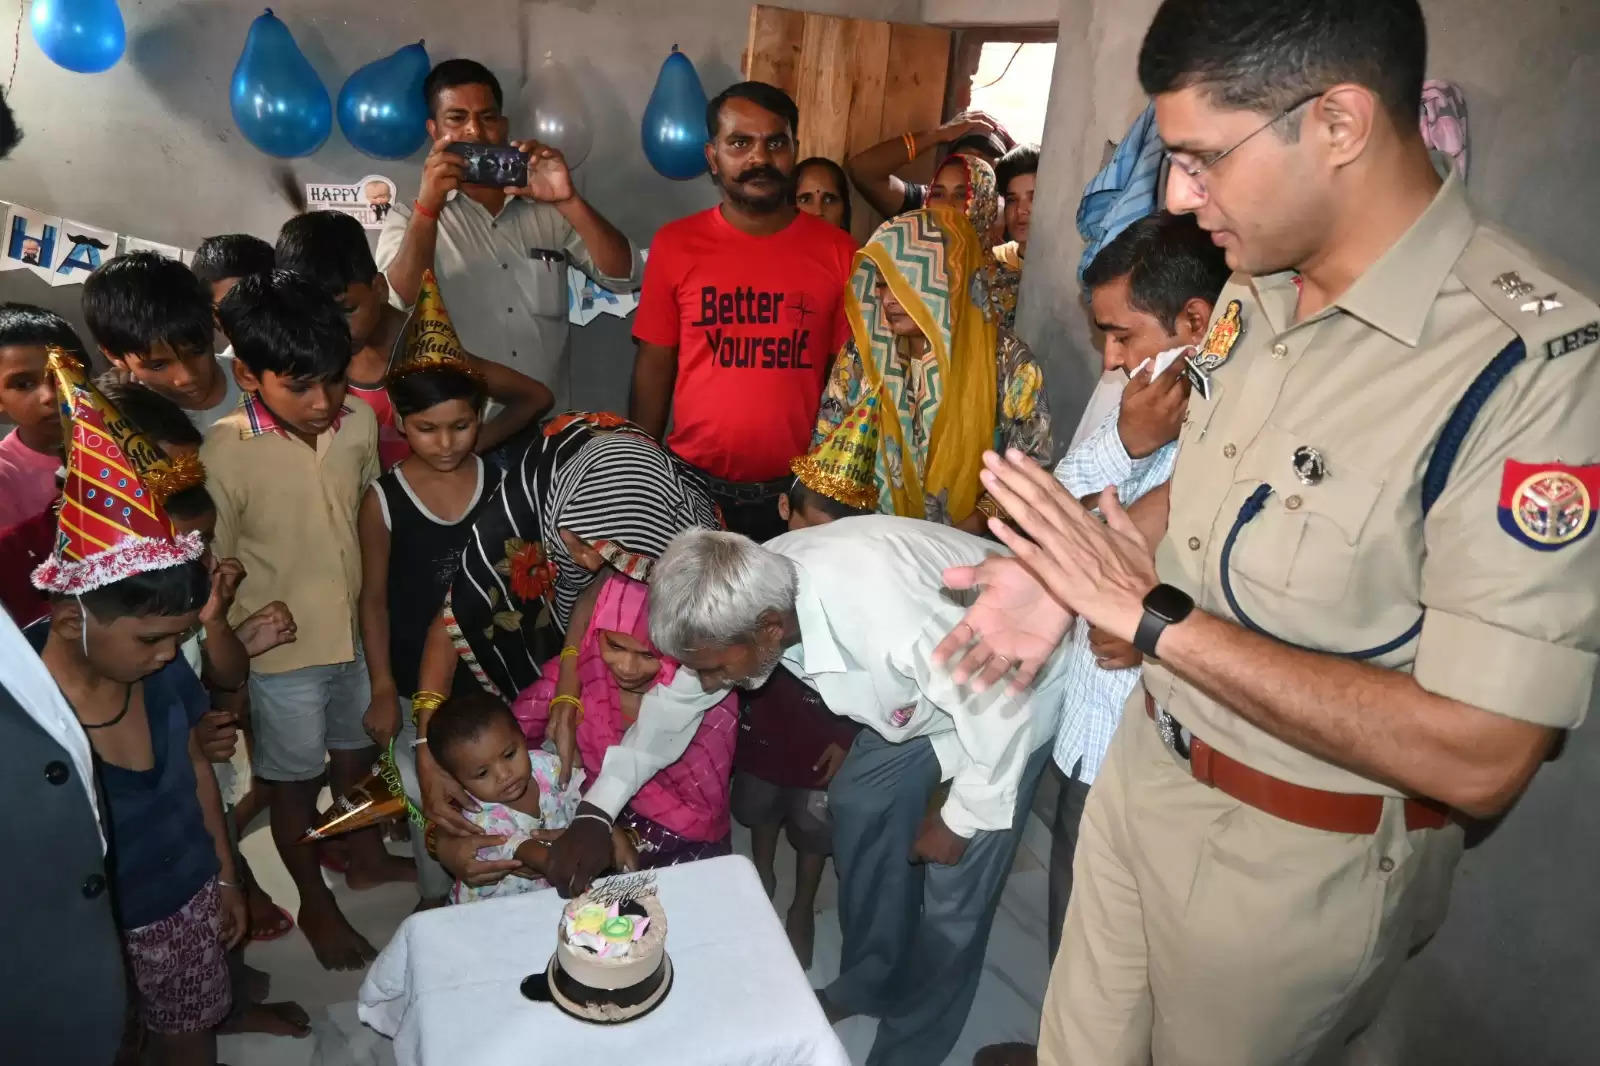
x,y
457,72
423,389
839,178
231,255
190,503
1168,261
286,324
142,299
151,413
167,592
1023,159
25,325
330,248
801,496
762,95
1264,55
460,719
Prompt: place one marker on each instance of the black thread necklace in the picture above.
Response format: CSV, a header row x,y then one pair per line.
x,y
127,700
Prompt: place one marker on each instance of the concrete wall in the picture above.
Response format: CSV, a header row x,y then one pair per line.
x,y
150,146
1512,978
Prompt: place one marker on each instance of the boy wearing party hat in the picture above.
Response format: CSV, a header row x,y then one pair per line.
x,y
331,249
287,472
125,588
836,478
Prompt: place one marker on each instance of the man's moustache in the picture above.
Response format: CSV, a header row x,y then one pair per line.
x,y
759,172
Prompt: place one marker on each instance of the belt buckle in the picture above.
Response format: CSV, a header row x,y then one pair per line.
x,y
1173,734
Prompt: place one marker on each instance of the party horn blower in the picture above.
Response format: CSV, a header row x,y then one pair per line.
x,y
379,797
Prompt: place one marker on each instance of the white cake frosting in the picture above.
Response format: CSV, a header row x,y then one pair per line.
x,y
615,961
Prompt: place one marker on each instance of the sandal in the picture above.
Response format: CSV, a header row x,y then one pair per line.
x,y
285,926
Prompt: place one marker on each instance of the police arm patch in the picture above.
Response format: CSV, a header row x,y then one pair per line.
x,y
1548,505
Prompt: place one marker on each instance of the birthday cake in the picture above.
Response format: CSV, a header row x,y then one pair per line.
x,y
611,951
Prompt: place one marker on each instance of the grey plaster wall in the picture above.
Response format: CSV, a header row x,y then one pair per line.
x,y
1512,978
149,146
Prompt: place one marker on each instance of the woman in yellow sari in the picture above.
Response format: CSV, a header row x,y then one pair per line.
x,y
929,380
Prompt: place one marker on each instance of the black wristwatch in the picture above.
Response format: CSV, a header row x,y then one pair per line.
x,y
1163,606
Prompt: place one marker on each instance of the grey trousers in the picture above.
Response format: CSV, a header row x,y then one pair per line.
x,y
433,881
914,935
1063,843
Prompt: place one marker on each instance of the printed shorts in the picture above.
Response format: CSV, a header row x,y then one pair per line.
x,y
180,967
301,715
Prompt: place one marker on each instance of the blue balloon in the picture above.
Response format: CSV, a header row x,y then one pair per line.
x,y
381,108
82,35
674,128
278,102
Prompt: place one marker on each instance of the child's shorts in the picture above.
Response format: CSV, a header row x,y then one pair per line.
x,y
301,715
180,967
804,811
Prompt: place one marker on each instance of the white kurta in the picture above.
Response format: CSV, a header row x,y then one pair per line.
x,y
872,605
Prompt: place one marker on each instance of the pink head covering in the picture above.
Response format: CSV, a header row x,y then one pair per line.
x,y
690,797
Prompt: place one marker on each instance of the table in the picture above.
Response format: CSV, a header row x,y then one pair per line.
x,y
446,988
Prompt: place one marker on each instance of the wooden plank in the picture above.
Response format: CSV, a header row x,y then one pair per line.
x,y
772,54
913,88
871,65
826,77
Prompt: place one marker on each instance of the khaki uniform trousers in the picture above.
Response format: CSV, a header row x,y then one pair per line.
x,y
1203,932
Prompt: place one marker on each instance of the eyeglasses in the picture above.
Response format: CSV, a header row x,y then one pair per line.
x,y
1195,166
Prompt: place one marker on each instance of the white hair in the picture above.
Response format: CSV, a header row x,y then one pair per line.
x,y
711,589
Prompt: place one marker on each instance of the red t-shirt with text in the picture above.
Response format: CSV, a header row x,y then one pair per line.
x,y
757,322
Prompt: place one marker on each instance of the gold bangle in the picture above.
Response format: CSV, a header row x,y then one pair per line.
x,y
424,701
911,146
569,652
430,839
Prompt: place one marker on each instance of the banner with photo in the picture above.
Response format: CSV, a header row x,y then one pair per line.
x,y
64,251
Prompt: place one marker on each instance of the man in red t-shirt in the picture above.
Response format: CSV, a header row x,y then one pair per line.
x,y
741,315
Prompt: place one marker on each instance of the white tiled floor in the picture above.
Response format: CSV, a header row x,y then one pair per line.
x,y
1007,1006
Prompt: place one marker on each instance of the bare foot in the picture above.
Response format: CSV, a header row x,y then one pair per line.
x,y
389,868
274,1019
802,930
336,944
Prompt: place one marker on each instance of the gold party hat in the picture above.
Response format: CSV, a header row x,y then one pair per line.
x,y
843,466
431,341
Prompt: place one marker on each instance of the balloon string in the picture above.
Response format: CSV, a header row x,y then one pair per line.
x,y
16,46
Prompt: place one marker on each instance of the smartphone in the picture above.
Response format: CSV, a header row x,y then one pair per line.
x,y
495,165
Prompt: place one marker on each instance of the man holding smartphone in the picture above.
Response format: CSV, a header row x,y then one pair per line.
x,y
500,253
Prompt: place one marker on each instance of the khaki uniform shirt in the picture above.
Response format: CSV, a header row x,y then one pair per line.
x,y
288,513
504,280
1503,572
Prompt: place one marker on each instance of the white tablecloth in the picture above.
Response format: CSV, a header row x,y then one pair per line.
x,y
447,986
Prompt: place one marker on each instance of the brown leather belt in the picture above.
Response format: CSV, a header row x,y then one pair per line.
x,y
1332,812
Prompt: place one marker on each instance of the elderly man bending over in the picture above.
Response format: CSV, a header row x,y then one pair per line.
x,y
854,609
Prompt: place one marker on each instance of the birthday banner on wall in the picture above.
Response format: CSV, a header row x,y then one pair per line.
x,y
63,251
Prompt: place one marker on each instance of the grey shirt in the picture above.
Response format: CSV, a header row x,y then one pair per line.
x,y
504,280
204,420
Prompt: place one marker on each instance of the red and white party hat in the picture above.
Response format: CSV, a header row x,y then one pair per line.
x,y
112,522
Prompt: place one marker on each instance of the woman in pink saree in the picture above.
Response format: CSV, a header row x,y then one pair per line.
x,y
681,814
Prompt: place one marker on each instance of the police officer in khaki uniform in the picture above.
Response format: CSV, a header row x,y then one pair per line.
x,y
1374,606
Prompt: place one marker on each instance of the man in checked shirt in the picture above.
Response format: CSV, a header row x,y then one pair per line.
x,y
1150,290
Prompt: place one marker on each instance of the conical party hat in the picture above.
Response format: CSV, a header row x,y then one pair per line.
x,y
431,341
112,522
842,466
380,796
